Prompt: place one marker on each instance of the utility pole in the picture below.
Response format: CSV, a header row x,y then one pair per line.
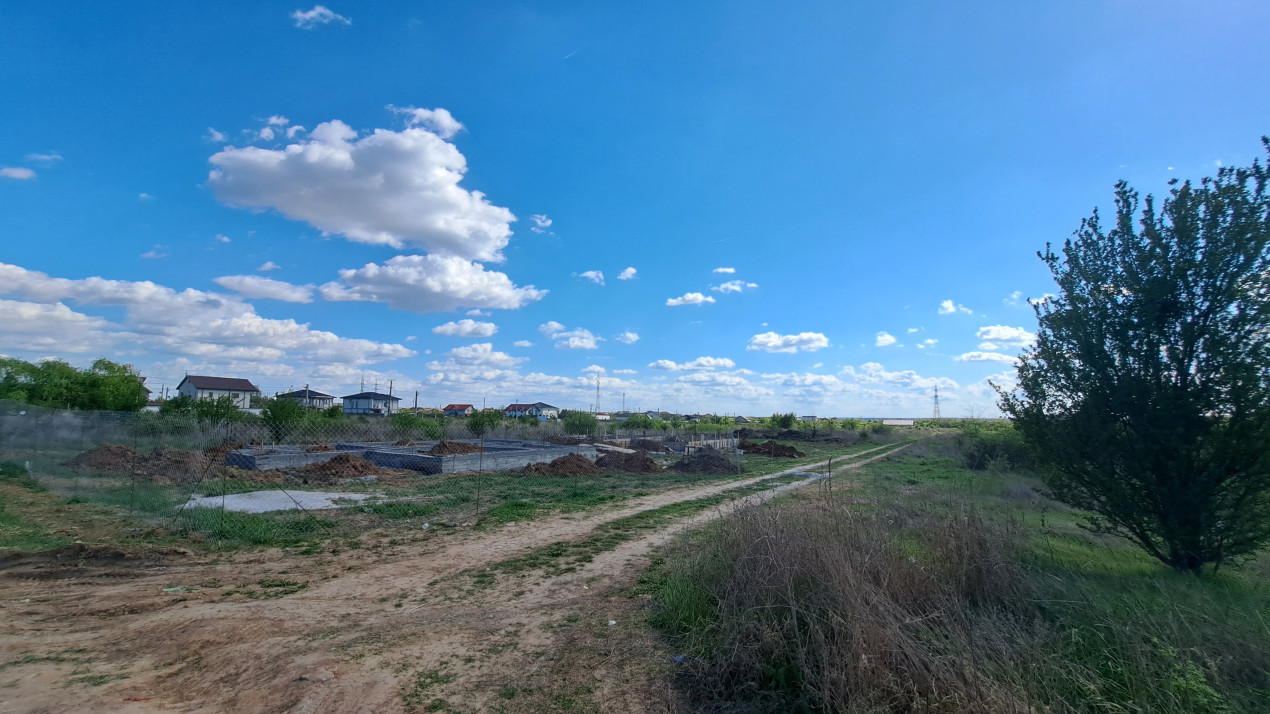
x,y
390,387
416,400
936,415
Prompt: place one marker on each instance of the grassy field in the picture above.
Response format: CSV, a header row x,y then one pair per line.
x,y
926,586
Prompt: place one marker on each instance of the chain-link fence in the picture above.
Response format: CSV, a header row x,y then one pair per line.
x,y
246,479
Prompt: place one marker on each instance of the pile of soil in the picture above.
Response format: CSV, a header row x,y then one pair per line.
x,y
447,448
568,465
319,446
107,457
339,467
636,463
706,461
792,435
770,448
165,460
648,445
567,440
216,454
748,433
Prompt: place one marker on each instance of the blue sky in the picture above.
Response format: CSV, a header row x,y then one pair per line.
x,y
826,208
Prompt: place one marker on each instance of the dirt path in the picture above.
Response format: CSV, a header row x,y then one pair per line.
x,y
396,628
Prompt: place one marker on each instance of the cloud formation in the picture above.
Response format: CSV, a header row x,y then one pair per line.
x,y
884,339
700,363
429,283
466,328
727,271
627,274
628,338
255,286
773,342
397,188
734,286
576,339
986,357
689,299
318,16
19,173
947,307
1005,335
595,276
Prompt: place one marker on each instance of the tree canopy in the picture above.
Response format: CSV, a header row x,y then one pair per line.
x,y
1148,387
105,385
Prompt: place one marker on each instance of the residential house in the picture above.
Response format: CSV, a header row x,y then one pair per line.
x,y
546,411
458,410
740,420
309,398
516,411
372,403
201,387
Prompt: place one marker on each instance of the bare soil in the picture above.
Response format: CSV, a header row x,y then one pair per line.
x,y
340,466
636,463
567,465
706,461
447,448
568,440
648,445
770,448
162,465
404,622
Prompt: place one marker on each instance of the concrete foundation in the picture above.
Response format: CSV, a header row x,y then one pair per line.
x,y
499,455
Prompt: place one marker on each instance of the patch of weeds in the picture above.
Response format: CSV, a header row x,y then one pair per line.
x,y
513,512
415,693
14,474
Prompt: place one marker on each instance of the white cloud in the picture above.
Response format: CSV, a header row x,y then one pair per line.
x,y
700,363
985,357
576,339
773,342
439,121
292,131
625,371
476,312
1013,298
1005,335
875,373
51,328
277,120
254,286
884,339
595,276
144,197
728,271
319,15
430,283
926,343
911,330
627,274
947,307
266,134
215,136
222,238
51,157
466,328
215,327
541,223
20,173
627,338
391,188
1044,298
733,286
158,251
594,369
689,299
267,266
477,355
522,343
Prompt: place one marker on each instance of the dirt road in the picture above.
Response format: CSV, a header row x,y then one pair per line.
x,y
398,624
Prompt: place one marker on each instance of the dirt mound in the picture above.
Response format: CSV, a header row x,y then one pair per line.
x,y
340,466
216,454
792,435
107,457
446,448
568,465
636,463
747,433
770,448
568,440
706,461
165,461
648,445
319,446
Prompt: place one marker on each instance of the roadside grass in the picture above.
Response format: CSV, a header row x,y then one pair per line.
x,y
930,587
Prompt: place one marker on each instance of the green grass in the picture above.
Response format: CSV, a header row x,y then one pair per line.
x,y
230,528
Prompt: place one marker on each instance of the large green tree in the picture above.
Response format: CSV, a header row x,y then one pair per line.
x,y
1148,388
54,383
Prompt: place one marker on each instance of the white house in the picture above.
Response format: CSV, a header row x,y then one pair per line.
x,y
309,398
458,410
200,387
372,403
547,411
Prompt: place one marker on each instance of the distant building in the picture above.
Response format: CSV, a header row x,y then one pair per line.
x,y
201,387
547,411
457,410
309,398
516,411
809,418
897,422
740,420
371,403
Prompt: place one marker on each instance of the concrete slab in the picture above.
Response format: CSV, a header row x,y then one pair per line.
x,y
276,500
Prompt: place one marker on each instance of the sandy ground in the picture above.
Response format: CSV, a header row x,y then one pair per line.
x,y
397,625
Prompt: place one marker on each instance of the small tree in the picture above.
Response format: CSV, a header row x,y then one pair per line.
x,y
282,416
482,422
1147,390
217,411
782,421
578,422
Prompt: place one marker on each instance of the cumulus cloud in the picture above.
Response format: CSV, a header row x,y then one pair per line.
x,y
254,286
576,339
595,276
947,307
875,373
397,188
318,16
986,357
267,266
627,274
222,238
215,136
773,342
522,343
438,121
212,326
429,283
625,371
733,286
727,271
926,343
45,328
1005,335
19,173
541,223
627,338
700,363
158,251
1013,298
466,328
689,299
478,355
884,339
594,369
